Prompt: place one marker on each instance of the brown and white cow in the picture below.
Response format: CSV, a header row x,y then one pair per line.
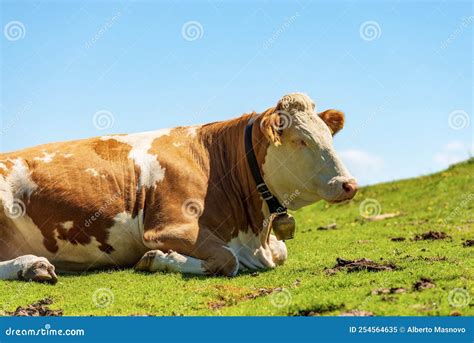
x,y
181,200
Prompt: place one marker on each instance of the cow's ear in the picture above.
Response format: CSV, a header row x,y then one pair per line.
x,y
334,119
270,126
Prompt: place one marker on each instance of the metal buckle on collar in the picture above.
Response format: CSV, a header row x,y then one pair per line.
x,y
264,191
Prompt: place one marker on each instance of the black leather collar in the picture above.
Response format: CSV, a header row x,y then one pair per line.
x,y
273,204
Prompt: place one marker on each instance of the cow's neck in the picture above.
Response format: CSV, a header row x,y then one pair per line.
x,y
232,192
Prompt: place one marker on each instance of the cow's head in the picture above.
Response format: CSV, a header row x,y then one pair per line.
x,y
301,165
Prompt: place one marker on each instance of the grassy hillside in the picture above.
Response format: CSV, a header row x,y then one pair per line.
x,y
429,276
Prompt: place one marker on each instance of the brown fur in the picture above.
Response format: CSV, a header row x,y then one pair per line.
x,y
334,119
212,170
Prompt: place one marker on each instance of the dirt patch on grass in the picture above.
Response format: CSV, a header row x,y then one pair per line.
x,y
261,292
468,243
357,313
230,295
384,216
392,290
431,235
37,309
332,226
362,264
398,239
423,283
411,258
435,259
364,241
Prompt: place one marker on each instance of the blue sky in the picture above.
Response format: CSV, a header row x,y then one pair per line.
x,y
401,71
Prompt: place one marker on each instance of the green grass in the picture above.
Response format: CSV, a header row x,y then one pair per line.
x,y
439,202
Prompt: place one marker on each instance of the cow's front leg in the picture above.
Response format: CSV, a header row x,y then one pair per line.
x,y
189,249
28,268
157,260
279,251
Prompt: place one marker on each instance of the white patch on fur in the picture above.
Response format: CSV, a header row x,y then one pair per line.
x,y
125,236
27,237
177,145
151,171
69,257
68,225
46,157
92,171
2,166
78,255
68,155
122,217
250,252
192,130
16,184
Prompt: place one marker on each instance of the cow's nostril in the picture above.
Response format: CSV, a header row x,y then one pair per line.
x,y
350,187
346,186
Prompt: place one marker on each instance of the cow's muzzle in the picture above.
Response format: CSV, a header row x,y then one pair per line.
x,y
344,190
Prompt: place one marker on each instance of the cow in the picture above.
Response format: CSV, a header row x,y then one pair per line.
x,y
195,199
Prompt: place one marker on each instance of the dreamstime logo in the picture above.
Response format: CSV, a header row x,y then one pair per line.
x,y
370,208
11,124
15,209
14,30
458,120
103,297
192,208
288,22
287,199
103,120
192,30
97,214
379,110
467,198
107,26
370,30
459,297
284,121
281,299
465,23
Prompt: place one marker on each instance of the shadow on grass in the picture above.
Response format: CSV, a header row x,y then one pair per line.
x,y
192,277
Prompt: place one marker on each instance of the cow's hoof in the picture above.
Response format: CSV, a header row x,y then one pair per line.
x,y
39,271
146,262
